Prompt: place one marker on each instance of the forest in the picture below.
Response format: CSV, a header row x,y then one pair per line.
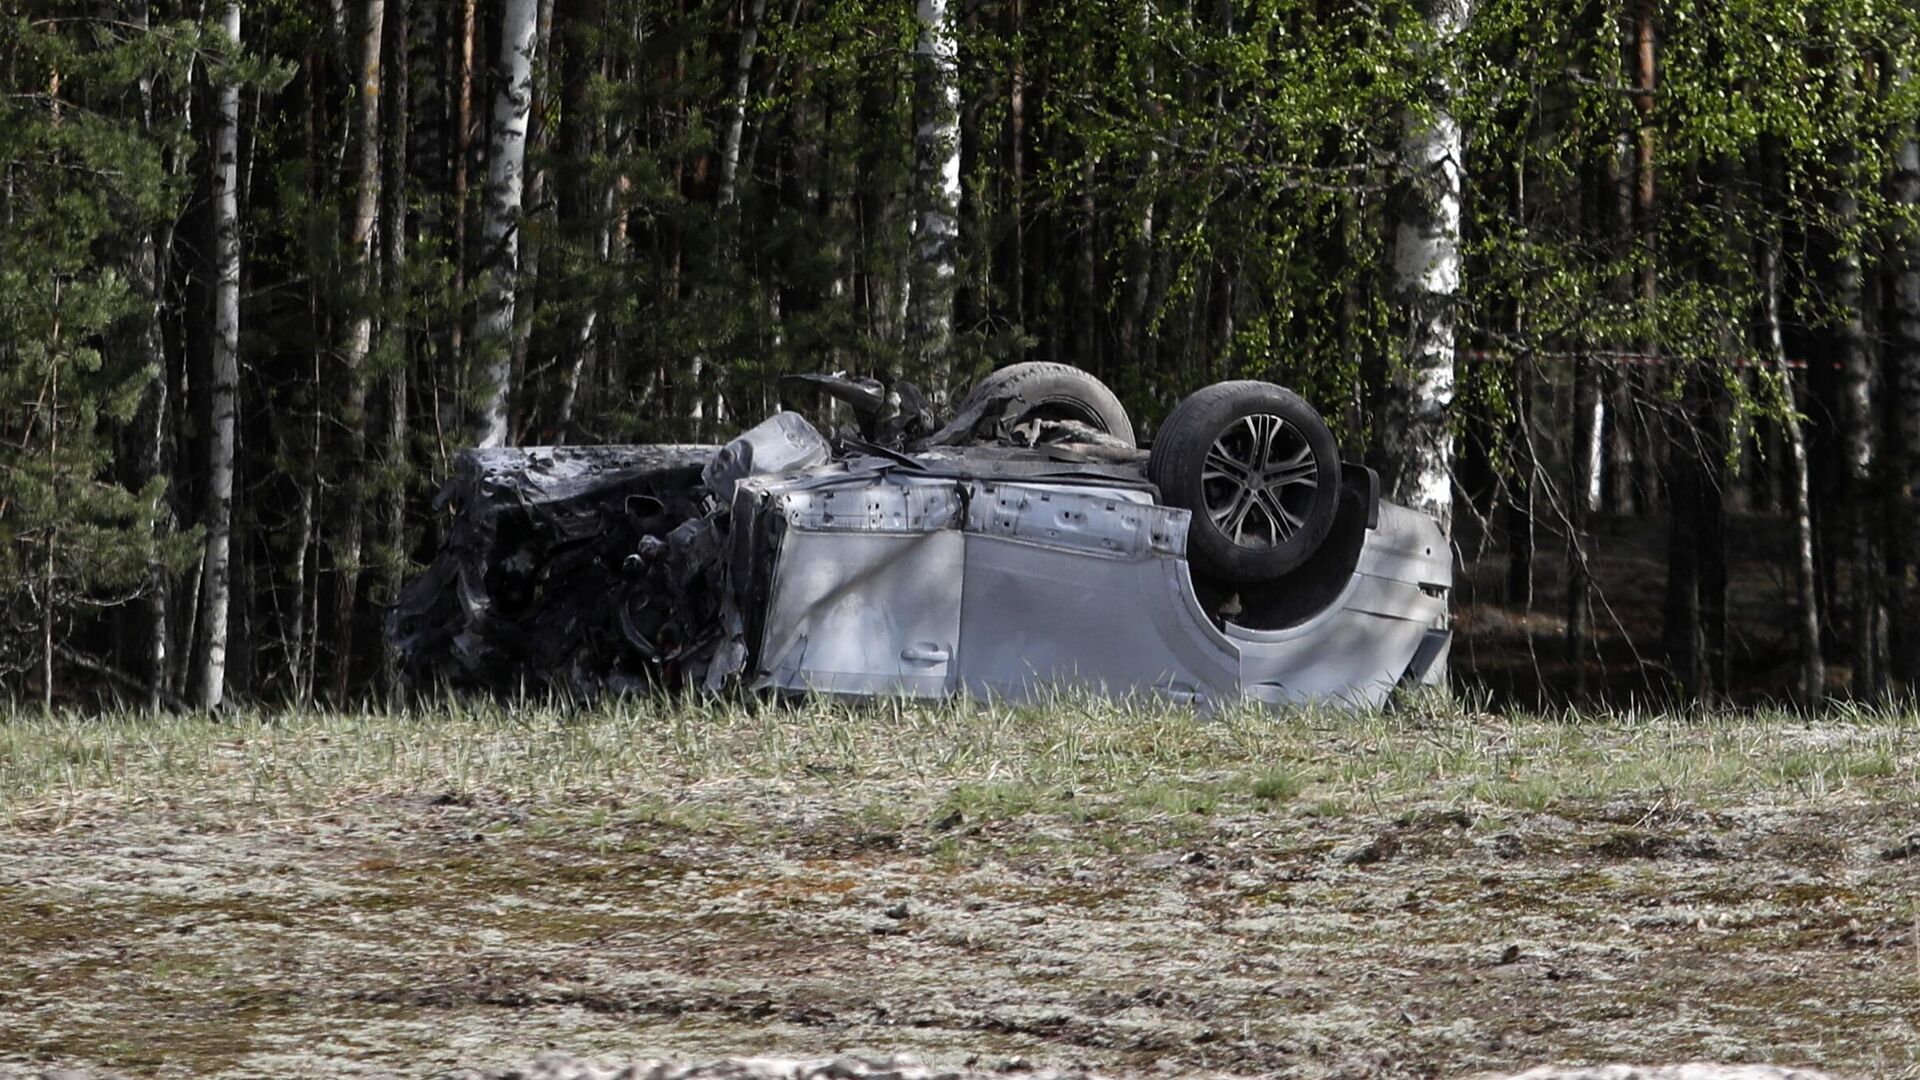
x,y
1626,291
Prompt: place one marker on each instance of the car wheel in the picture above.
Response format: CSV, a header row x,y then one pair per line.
x,y
1051,392
1258,469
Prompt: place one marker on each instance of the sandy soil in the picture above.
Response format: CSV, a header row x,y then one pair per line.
x,y
411,935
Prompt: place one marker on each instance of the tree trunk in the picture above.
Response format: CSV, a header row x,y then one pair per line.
x,y
737,101
1137,288
394,234
1811,675
210,676
462,165
150,434
1016,157
50,581
1580,645
1426,277
1903,360
936,196
1520,531
500,216
1519,436
1621,491
1847,289
346,520
152,254
534,218
1647,454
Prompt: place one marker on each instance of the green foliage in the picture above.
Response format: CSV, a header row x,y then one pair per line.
x,y
1164,194
83,188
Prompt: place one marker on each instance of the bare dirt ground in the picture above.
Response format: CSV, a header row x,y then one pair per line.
x,y
1415,896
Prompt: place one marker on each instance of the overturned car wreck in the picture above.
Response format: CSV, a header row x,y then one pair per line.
x,y
1027,543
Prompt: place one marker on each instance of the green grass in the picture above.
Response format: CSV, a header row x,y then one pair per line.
x,y
985,759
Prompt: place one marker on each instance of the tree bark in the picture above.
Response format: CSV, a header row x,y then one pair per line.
x,y
153,253
1580,644
346,520
462,166
394,235
500,216
1519,435
1812,669
1426,277
223,378
150,435
1647,455
591,201
736,122
936,196
534,218
1847,289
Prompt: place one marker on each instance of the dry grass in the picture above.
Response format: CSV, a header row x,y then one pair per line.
x,y
1423,892
298,761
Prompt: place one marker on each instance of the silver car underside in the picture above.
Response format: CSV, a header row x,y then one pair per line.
x,y
937,580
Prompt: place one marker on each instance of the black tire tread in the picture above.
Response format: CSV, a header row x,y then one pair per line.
x,y
1180,447
1039,381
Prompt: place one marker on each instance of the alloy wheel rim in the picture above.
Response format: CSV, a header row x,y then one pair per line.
x,y
1259,481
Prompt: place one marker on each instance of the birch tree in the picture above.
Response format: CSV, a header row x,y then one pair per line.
x,y
1846,283
1812,674
936,193
736,122
1425,269
500,216
223,379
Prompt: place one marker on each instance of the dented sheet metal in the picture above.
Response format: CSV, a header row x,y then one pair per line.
x,y
789,562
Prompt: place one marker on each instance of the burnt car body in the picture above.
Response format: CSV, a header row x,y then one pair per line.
x,y
1025,553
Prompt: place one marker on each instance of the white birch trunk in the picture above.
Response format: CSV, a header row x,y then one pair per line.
x,y
1813,670
500,217
1426,277
737,101
154,251
527,279
209,684
936,194
1857,421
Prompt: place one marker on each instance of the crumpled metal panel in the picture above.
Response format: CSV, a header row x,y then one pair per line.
x,y
1075,518
882,504
882,588
781,443
1037,615
865,612
1361,645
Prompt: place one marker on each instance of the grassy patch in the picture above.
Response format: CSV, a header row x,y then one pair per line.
x,y
1123,883
983,759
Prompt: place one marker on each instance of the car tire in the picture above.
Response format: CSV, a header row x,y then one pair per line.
x,y
1258,469
1052,392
